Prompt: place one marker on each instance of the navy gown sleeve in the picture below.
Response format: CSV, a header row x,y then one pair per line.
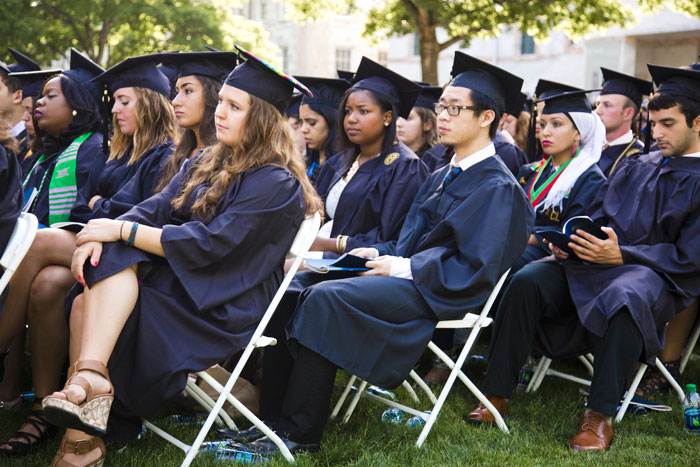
x,y
268,199
583,193
511,155
138,188
89,164
12,196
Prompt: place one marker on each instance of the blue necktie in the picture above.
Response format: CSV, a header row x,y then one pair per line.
x,y
451,175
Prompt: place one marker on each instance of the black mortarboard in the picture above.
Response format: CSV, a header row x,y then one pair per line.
x,y
140,71
676,82
4,68
33,81
262,80
346,75
327,92
496,83
518,105
429,96
211,49
566,102
83,71
293,107
214,65
550,88
24,63
400,91
626,85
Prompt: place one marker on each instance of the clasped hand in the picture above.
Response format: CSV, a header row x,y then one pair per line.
x,y
89,243
592,249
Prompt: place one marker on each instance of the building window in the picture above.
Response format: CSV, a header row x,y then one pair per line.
x,y
416,45
285,59
383,58
263,10
343,59
527,44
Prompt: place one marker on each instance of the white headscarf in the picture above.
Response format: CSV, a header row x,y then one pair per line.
x,y
592,131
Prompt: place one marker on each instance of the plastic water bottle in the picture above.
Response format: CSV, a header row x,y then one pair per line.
x,y
526,373
417,422
381,392
186,419
691,410
393,415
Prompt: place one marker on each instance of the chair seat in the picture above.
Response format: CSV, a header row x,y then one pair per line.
x,y
467,322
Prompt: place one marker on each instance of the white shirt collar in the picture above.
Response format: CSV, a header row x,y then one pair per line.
x,y
624,139
695,154
474,158
17,129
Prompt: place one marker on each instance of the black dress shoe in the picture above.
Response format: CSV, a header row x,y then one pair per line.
x,y
242,436
266,447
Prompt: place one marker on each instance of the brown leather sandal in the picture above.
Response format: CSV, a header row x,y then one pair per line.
x,y
91,415
78,447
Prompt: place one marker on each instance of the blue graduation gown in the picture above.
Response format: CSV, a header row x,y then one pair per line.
x,y
89,164
460,240
374,203
611,154
654,208
575,204
512,156
12,201
201,303
123,186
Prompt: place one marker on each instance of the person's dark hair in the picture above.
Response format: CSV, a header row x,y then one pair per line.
x,y
384,105
187,141
13,84
689,108
479,99
87,117
331,146
429,138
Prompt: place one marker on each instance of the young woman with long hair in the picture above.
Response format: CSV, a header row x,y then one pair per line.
x,y
202,260
419,131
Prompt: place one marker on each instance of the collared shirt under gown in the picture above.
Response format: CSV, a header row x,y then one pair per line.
x,y
654,208
375,201
512,156
201,303
460,240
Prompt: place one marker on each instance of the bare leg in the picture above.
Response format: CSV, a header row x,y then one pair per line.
x,y
677,333
9,387
50,247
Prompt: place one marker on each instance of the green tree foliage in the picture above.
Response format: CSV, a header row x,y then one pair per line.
x,y
689,7
111,30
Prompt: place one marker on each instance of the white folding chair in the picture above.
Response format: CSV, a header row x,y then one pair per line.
x,y
687,351
302,242
470,321
20,241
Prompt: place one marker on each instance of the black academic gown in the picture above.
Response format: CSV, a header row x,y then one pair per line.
x,y
123,186
654,208
89,164
201,303
438,156
374,203
580,197
12,201
460,240
512,156
613,154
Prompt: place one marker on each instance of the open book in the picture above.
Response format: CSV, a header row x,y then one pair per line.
x,y
346,262
562,237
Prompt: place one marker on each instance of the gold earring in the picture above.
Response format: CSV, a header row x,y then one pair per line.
x,y
75,113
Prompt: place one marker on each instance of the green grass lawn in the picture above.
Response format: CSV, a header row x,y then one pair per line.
x,y
541,426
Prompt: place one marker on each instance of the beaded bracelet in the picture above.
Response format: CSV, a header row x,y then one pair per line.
x,y
132,235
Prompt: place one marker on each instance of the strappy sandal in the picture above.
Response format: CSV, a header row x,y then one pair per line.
x,y
91,415
27,440
654,382
78,447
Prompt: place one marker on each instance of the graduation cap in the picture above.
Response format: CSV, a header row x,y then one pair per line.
x,y
346,75
140,71
215,65
4,68
550,88
264,81
676,82
496,83
83,71
293,107
327,92
429,96
629,86
566,102
400,91
211,49
24,63
33,81
518,105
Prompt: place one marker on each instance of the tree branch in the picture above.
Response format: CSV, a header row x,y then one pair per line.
x,y
412,8
449,42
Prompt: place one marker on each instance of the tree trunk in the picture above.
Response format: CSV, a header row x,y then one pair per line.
x,y
429,50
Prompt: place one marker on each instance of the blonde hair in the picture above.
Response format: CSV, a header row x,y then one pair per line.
x,y
267,140
521,130
155,124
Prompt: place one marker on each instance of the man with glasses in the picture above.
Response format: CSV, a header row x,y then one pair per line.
x,y
467,225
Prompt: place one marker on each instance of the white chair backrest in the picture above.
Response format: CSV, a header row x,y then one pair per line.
x,y
306,235
20,241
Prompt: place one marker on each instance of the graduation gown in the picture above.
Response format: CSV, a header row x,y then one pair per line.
x,y
90,162
654,208
575,204
613,154
123,186
201,303
12,201
460,240
512,156
374,203
438,156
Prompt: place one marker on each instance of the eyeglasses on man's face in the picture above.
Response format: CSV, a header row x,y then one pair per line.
x,y
453,110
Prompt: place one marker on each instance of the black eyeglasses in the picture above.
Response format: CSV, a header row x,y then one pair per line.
x,y
453,110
